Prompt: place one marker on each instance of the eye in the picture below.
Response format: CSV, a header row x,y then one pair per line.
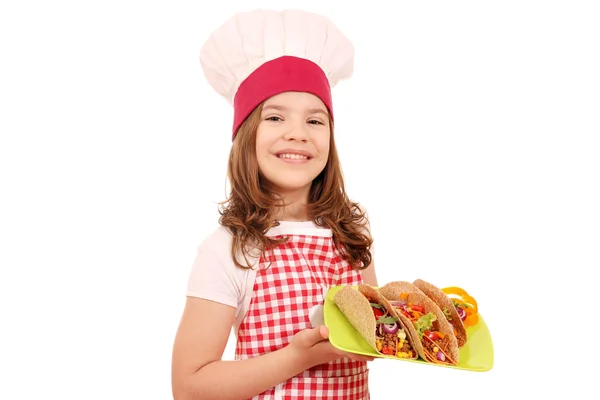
x,y
273,119
315,122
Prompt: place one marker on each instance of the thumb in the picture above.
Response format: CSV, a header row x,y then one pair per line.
x,y
318,334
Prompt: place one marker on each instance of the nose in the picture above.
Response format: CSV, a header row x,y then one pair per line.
x,y
296,131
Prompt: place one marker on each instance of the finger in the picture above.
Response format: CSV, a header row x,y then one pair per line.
x,y
318,334
324,332
356,357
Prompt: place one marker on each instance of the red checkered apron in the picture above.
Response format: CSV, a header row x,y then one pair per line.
x,y
284,293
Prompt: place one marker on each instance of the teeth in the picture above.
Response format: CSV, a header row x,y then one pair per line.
x,y
293,156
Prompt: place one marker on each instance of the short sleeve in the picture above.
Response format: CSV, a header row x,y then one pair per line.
x,y
212,278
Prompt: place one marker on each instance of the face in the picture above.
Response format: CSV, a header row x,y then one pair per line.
x,y
292,141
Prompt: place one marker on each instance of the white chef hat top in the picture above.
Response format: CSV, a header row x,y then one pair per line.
x,y
257,54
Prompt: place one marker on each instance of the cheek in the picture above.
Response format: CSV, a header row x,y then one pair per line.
x,y
262,146
260,150
323,146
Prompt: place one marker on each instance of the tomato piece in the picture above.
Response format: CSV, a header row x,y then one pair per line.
x,y
387,350
377,313
420,309
433,335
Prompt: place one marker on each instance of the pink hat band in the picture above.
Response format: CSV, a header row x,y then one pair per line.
x,y
283,74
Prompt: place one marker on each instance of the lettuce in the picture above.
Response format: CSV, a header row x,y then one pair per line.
x,y
424,323
447,313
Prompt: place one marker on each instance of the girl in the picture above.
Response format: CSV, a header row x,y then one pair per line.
x,y
287,232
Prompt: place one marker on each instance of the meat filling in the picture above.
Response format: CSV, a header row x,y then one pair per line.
x,y
438,348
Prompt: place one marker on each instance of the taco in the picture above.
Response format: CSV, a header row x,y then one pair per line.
x,y
375,320
401,287
429,326
448,307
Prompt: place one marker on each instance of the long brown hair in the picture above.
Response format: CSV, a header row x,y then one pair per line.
x,y
248,212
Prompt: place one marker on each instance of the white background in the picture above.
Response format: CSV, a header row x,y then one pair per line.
x,y
469,131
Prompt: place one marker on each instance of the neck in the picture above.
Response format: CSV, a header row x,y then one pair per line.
x,y
295,209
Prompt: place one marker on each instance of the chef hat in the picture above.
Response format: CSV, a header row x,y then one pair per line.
x,y
257,54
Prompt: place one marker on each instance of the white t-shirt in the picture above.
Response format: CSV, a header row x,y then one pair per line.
x,y
215,277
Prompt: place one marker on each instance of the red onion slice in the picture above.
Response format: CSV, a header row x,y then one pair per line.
x,y
390,328
461,313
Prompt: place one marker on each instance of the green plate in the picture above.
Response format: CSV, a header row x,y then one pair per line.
x,y
476,355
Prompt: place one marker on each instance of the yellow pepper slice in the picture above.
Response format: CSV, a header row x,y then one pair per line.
x,y
454,290
471,320
462,295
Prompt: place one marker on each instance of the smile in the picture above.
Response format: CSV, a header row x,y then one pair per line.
x,y
289,156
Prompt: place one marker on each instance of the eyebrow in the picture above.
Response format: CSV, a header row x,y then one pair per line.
x,y
282,108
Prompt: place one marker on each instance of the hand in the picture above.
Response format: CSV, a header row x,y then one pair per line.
x,y
312,347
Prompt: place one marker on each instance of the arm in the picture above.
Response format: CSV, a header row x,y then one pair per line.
x,y
368,274
199,373
197,369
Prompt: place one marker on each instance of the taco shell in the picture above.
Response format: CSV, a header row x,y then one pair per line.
x,y
374,296
357,310
394,289
444,302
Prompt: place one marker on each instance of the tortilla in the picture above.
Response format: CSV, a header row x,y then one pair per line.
x,y
394,292
357,310
374,296
393,289
444,303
